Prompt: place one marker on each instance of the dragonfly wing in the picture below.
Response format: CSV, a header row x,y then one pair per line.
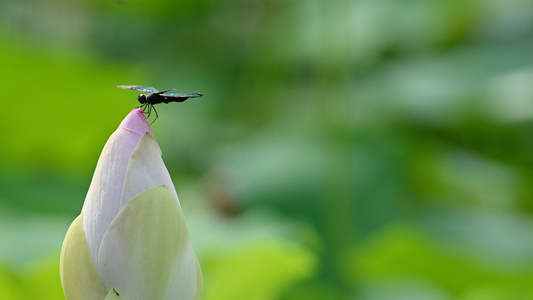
x,y
181,95
140,88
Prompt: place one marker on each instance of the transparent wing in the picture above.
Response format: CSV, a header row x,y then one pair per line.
x,y
140,88
181,95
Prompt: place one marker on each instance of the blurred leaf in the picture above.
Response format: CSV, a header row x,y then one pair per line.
x,y
10,285
29,238
258,271
403,253
37,281
62,108
44,280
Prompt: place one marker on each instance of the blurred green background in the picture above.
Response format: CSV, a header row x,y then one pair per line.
x,y
364,149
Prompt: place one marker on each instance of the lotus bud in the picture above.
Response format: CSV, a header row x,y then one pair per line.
x,y
131,240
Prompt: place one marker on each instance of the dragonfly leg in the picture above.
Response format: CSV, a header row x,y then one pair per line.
x,y
156,115
147,110
143,107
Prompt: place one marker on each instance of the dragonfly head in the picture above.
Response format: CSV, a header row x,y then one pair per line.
x,y
142,98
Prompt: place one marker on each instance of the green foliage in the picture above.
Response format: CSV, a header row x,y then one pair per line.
x,y
41,281
261,271
352,118
403,254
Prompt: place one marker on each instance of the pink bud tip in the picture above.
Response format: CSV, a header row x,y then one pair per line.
x,y
136,121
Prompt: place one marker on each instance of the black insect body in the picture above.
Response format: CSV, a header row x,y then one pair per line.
x,y
154,97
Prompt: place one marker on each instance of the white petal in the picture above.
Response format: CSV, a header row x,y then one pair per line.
x,y
79,277
186,274
146,170
147,252
102,203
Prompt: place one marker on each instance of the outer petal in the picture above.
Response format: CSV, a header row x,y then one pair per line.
x,y
146,170
101,205
199,282
184,277
113,295
79,277
146,246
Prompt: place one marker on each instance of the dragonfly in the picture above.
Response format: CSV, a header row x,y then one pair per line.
x,y
154,96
